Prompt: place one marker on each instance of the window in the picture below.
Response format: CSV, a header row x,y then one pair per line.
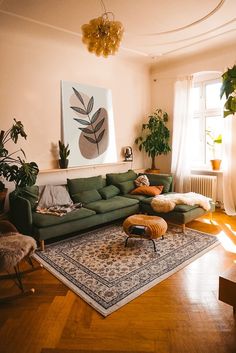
x,y
207,123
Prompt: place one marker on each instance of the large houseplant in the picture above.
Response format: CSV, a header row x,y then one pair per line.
x,y
229,89
155,136
12,167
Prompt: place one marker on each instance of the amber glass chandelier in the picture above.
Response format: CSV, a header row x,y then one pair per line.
x,y
103,35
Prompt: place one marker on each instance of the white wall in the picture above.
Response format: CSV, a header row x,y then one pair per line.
x,y
35,58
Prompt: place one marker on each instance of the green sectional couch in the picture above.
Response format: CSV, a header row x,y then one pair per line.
x,y
103,200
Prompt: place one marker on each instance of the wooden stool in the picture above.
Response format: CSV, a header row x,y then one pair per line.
x,y
145,227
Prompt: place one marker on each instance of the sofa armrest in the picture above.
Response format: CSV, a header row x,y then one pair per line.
x,y
21,213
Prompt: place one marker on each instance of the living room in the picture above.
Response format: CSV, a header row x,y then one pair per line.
x,y
41,46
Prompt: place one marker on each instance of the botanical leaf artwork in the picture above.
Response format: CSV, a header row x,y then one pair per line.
x,y
93,124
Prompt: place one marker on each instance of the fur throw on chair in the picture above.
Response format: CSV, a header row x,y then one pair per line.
x,y
13,248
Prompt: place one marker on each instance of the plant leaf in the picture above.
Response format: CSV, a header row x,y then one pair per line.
x,y
99,125
90,105
86,130
78,95
100,136
81,121
79,110
90,139
95,115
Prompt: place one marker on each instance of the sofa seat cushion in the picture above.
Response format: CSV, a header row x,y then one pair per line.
x,y
137,197
116,202
44,220
178,208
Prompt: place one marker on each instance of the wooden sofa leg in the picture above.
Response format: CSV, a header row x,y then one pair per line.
x,y
42,245
183,228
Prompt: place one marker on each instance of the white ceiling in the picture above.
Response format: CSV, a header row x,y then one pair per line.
x,y
161,29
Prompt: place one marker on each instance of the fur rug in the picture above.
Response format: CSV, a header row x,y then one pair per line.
x,y
166,203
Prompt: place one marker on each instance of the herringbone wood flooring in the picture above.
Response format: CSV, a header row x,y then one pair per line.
x,y
180,315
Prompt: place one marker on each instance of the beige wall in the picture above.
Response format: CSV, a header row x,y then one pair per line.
x,y
35,58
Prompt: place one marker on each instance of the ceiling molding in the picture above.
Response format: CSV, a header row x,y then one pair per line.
x,y
198,42
186,26
196,36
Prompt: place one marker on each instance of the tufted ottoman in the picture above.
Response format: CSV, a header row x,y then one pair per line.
x,y
145,227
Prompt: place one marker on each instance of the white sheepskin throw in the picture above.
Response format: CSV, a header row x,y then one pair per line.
x,y
142,180
13,248
166,203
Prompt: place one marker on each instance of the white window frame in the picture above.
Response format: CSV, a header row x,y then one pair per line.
x,y
203,113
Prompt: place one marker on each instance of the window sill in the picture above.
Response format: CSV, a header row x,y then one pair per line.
x,y
206,170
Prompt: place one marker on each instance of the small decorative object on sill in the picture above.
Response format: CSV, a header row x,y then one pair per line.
x,y
102,35
215,163
128,153
64,153
215,141
155,136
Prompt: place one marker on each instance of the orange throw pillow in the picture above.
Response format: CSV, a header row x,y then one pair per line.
x,y
147,190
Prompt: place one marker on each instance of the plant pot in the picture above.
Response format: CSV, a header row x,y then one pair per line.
x,y
215,163
3,195
63,163
152,171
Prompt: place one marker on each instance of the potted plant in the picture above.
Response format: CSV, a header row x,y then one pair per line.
x,y
64,154
229,89
215,163
155,136
13,168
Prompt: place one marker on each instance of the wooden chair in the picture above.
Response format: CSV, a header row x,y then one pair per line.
x,y
15,247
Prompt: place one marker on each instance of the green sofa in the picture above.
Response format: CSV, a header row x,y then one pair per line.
x,y
104,200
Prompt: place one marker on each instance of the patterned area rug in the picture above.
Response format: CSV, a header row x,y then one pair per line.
x,y
107,275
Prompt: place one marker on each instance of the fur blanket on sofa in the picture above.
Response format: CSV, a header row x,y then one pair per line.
x,y
166,203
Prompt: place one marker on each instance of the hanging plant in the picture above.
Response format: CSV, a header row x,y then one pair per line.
x,y
229,89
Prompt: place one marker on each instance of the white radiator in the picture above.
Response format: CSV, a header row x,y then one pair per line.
x,y
204,184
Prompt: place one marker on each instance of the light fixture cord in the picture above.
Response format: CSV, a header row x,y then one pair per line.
x,y
106,13
103,6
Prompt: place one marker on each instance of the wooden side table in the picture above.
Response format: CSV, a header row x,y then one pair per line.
x,y
227,287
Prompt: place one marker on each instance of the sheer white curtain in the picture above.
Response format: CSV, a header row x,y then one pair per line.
x,y
181,139
229,170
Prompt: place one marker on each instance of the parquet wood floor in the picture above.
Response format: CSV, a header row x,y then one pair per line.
x,y
180,315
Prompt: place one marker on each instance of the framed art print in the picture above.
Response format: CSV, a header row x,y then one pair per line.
x,y
88,125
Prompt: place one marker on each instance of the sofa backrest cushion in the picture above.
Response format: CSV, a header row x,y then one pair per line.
x,y
109,191
84,184
126,186
161,179
116,178
87,196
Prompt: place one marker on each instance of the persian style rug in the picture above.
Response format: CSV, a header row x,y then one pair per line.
x,y
107,275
